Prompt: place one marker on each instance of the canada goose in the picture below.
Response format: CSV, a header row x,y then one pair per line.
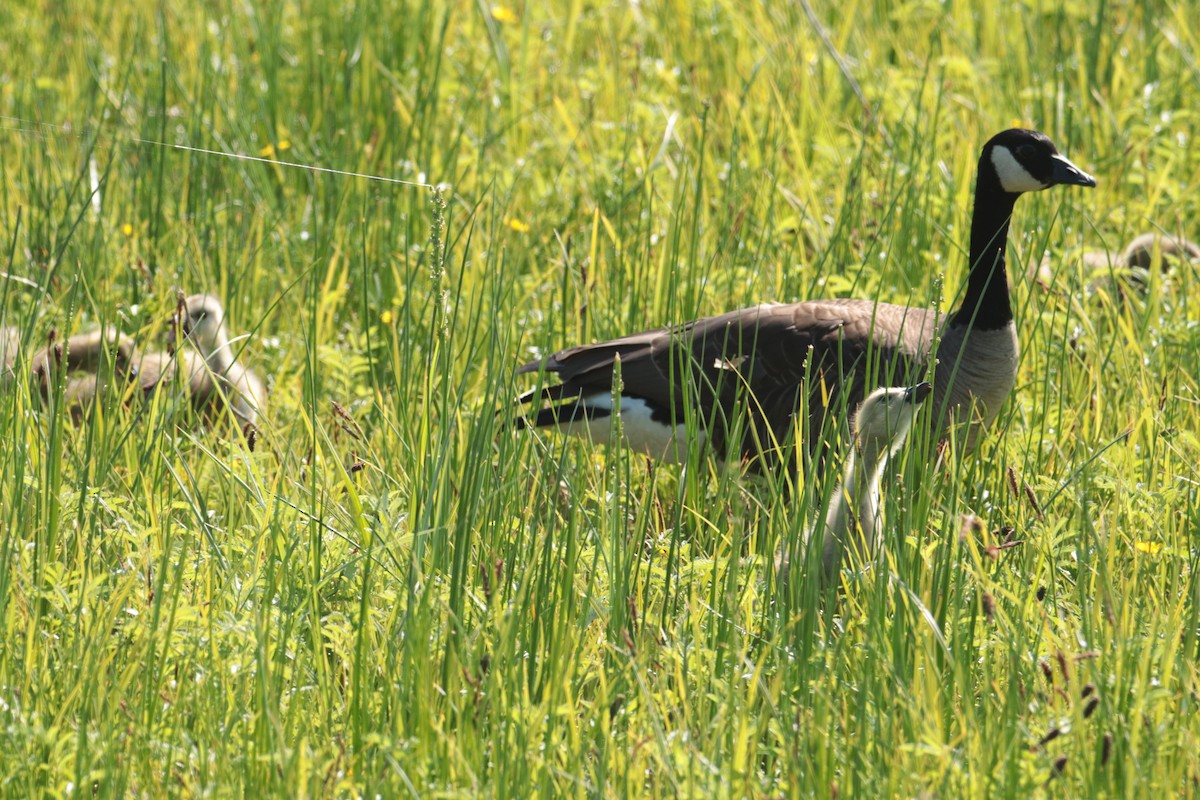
x,y
83,352
883,422
1172,249
212,374
1138,254
695,372
1133,263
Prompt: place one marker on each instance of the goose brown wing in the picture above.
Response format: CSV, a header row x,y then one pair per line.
x,y
758,359
651,361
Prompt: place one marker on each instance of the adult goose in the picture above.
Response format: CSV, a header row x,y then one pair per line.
x,y
741,377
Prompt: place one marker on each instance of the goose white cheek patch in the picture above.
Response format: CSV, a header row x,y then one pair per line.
x,y
1013,177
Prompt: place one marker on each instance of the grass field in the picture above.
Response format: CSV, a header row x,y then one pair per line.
x,y
408,599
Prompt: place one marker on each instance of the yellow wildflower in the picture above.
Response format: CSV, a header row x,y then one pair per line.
x,y
270,150
518,226
127,229
504,14
1147,547
386,317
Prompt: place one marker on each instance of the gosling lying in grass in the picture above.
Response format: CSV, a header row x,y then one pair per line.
x,y
89,352
206,369
1131,266
1139,253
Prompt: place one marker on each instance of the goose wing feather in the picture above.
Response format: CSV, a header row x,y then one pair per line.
x,y
767,351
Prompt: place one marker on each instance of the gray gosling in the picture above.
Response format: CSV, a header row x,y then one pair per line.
x,y
884,420
1139,253
213,377
1135,259
10,350
88,352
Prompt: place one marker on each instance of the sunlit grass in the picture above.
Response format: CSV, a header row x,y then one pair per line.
x,y
398,595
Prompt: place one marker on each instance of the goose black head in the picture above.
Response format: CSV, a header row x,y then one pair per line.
x,y
1027,161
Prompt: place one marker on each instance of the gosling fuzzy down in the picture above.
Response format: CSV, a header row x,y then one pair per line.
x,y
853,519
205,367
213,378
89,352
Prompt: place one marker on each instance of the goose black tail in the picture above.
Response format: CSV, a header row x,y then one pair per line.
x,y
562,414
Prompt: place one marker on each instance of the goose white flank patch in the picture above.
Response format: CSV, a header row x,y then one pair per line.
x,y
767,362
643,430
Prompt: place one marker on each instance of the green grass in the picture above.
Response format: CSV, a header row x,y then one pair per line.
x,y
420,602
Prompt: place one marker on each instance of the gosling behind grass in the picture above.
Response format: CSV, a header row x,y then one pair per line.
x,y
210,375
1130,267
89,352
1140,253
884,420
213,377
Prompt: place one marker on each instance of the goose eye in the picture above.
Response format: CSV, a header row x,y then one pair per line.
x,y
1025,151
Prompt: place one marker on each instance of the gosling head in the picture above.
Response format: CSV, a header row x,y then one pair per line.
x,y
886,416
201,319
1027,161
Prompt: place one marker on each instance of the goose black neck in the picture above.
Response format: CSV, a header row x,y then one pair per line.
x,y
986,305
